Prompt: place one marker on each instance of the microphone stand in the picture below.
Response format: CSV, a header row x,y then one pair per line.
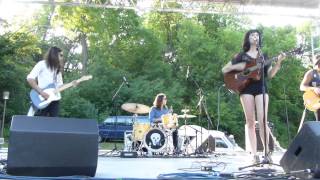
x,y
116,110
201,105
262,73
218,107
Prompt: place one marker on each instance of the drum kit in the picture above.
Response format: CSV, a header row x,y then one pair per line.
x,y
156,139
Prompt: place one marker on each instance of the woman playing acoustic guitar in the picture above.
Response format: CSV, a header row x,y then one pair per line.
x,y
251,96
311,84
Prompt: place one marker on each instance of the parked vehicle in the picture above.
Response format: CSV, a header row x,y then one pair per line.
x,y
113,127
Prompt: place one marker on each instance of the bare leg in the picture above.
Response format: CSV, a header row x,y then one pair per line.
x,y
248,106
259,108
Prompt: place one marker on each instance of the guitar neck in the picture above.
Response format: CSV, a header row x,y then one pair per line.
x,y
71,84
64,87
266,63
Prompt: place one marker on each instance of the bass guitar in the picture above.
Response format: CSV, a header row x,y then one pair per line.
x,y
236,81
54,93
311,100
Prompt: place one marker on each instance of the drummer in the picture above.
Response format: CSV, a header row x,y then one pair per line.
x,y
158,109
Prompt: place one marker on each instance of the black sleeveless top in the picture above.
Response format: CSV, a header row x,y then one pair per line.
x,y
315,82
255,87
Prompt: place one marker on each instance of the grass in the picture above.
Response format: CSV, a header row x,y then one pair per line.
x,y
105,145
111,145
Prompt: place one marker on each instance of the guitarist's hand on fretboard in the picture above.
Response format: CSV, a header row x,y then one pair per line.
x,y
281,57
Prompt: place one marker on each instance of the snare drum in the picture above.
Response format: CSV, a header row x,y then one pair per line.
x,y
155,140
169,121
139,130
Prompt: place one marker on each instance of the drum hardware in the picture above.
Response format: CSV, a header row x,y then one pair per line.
x,y
139,129
185,111
186,116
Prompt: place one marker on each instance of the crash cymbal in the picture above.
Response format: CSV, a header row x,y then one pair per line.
x,y
187,116
135,108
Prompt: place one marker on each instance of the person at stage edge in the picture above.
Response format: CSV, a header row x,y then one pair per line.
x,y
45,72
311,81
251,97
159,109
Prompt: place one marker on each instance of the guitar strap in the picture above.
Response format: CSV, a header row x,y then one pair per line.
x,y
302,119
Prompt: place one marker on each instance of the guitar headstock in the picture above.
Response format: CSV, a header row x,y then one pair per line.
x,y
85,78
296,51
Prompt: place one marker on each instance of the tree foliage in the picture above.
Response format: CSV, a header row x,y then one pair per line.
x,y
154,53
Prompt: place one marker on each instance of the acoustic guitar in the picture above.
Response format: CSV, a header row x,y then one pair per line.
x,y
236,81
311,100
54,93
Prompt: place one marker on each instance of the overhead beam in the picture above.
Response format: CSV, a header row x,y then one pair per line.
x,y
242,10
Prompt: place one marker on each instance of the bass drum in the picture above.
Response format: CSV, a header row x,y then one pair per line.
x,y
155,140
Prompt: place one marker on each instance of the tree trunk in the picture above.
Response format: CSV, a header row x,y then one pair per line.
x,y
83,39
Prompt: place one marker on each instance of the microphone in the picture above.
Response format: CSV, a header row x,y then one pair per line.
x,y
188,71
125,81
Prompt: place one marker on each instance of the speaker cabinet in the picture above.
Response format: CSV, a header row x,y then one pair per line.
x,y
51,146
303,152
209,145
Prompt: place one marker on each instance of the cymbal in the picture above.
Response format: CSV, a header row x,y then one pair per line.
x,y
135,108
185,110
187,116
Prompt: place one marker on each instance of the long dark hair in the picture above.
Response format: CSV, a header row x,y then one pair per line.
x,y
158,100
246,42
52,59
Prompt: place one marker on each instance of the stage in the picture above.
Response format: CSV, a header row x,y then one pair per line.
x,y
216,165
222,165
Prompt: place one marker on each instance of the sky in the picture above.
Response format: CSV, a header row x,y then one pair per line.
x,y
12,10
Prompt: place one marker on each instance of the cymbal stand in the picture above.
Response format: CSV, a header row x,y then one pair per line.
x,y
185,129
185,142
185,136
134,120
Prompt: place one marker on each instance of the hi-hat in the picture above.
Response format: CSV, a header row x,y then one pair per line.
x,y
185,110
135,108
186,116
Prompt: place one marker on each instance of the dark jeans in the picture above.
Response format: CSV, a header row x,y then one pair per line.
x,y
52,110
175,139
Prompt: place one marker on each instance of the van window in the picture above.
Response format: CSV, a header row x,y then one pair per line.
x,y
143,119
220,143
110,121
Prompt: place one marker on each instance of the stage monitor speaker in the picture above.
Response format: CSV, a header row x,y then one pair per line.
x,y
208,145
51,146
303,152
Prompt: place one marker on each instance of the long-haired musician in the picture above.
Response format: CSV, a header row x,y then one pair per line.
x,y
44,73
251,97
156,113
